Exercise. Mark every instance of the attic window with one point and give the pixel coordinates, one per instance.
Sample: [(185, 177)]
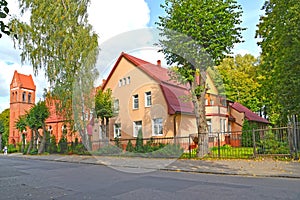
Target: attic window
[(120, 82)]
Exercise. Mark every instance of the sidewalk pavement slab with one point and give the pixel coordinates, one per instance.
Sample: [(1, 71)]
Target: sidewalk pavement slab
[(261, 167)]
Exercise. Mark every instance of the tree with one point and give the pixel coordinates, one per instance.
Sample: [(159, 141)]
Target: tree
[(241, 80), (196, 35), (104, 108), (4, 11), (59, 41), (36, 118), (279, 34), (21, 125), (4, 127)]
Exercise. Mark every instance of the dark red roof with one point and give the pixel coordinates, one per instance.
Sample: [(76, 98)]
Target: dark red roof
[(172, 90), (249, 115)]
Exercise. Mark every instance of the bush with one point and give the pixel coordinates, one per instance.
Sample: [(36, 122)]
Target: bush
[(139, 142), (11, 149), (52, 146), (270, 145), (129, 147), (109, 150)]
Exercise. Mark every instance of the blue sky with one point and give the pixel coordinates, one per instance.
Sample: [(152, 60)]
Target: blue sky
[(111, 18)]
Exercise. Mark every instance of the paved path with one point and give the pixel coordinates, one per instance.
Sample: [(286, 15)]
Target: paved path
[(261, 167)]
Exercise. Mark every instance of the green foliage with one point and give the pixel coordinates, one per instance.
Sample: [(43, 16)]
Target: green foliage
[(60, 41), (139, 142), (109, 150), (195, 36), (104, 104), (4, 126), (278, 32), (247, 134), (4, 12), (12, 149), (269, 144), (63, 145), (129, 147), (52, 146), (117, 142), (241, 80), (168, 151)]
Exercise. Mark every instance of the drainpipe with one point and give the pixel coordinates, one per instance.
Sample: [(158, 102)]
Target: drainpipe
[(175, 125)]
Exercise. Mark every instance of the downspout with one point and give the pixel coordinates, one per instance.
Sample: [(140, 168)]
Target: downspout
[(175, 125)]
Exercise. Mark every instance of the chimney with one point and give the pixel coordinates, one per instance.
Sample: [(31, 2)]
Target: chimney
[(159, 63)]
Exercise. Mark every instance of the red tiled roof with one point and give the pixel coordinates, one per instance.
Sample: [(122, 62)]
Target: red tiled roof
[(172, 90), (251, 116), (26, 81)]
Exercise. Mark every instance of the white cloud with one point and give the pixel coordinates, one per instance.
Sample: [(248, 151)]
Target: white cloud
[(110, 18)]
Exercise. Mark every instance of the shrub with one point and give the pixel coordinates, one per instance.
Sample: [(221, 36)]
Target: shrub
[(129, 147), (139, 142), (11, 149), (52, 146), (109, 150), (270, 145)]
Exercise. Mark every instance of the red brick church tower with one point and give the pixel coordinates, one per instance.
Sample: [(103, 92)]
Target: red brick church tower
[(22, 98)]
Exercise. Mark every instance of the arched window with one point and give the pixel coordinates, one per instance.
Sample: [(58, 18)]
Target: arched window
[(29, 98), (24, 96), (16, 96), (13, 96)]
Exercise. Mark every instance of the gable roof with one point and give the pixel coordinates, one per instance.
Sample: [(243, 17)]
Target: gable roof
[(251, 116), (172, 90), (24, 81)]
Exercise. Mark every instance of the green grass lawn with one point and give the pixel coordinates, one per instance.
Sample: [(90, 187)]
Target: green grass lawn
[(225, 152)]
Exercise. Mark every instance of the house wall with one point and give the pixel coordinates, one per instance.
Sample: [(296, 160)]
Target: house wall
[(139, 84)]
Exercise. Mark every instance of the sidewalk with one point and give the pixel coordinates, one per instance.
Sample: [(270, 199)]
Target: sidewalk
[(254, 168)]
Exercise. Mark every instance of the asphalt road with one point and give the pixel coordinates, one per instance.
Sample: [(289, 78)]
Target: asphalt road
[(35, 179)]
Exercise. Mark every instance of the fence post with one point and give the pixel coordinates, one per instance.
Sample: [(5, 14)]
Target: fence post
[(190, 152), (295, 141), (219, 151), (254, 143)]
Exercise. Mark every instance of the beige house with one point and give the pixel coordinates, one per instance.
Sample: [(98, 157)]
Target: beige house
[(145, 98)]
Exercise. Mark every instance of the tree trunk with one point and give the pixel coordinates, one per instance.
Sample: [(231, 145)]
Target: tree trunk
[(43, 141), (199, 108), (107, 127), (31, 142)]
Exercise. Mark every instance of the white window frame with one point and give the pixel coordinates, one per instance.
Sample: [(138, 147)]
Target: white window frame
[(116, 105), (137, 125), (157, 127), (128, 80), (117, 130), (148, 99), (209, 125), (120, 82), (124, 81), (135, 101)]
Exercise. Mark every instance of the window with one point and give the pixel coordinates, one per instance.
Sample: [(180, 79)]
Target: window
[(24, 96), (148, 102), (116, 106), (120, 82), (208, 121), (157, 127), (222, 125), (137, 126), (29, 97), (124, 81), (128, 80), (212, 102), (206, 102), (117, 130), (135, 100)]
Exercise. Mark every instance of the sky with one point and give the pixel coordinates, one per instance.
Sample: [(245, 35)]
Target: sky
[(117, 23)]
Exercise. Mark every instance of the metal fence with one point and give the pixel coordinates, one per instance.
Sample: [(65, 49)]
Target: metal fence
[(284, 142)]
